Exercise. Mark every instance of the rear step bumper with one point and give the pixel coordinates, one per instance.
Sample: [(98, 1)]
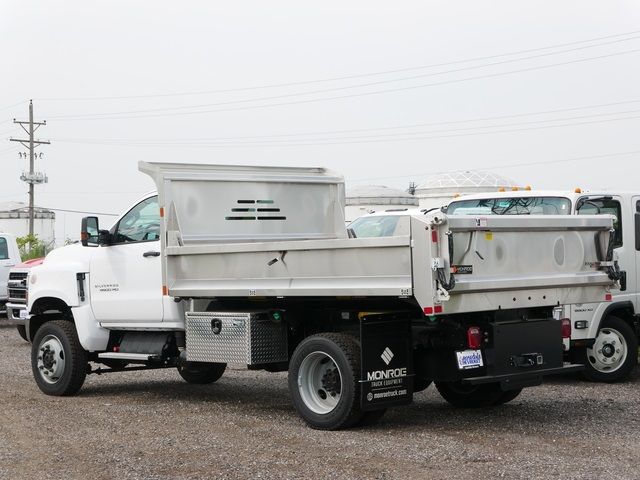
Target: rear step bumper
[(524, 379)]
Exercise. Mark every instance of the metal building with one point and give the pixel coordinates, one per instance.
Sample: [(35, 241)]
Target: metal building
[(365, 199), (438, 190), (14, 218)]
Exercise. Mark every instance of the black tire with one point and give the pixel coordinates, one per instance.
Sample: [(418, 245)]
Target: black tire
[(22, 331), (68, 364), (371, 418), (344, 353), (597, 371), (470, 396), (507, 396), (201, 373), (420, 384)]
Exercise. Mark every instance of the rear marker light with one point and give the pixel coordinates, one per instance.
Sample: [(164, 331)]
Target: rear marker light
[(566, 328), (434, 236), (580, 325), (474, 337), (428, 310), (608, 297), (438, 309)]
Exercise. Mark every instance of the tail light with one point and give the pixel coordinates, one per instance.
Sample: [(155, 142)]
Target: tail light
[(474, 338), (566, 328)]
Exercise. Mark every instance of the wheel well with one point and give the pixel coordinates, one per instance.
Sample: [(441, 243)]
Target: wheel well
[(47, 309), (627, 314)]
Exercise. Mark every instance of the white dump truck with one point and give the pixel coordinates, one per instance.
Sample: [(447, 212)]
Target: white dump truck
[(604, 335), (253, 266)]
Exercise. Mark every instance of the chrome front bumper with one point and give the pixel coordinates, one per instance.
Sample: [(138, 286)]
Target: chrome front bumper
[(17, 312)]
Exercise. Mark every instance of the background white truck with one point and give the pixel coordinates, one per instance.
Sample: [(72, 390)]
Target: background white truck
[(253, 266), (17, 293), (604, 335), (9, 256)]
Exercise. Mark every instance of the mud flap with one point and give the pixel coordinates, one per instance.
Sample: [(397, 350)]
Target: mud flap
[(387, 362)]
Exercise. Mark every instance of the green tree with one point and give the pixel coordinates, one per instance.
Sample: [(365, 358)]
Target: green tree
[(31, 246)]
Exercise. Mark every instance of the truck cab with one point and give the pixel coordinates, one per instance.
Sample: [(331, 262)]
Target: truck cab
[(604, 336)]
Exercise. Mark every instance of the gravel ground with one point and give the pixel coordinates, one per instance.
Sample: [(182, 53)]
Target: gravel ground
[(152, 425)]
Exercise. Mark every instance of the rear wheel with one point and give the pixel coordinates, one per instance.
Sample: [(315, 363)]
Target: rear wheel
[(22, 331), (461, 395), (614, 353), (323, 381), (58, 361), (201, 373)]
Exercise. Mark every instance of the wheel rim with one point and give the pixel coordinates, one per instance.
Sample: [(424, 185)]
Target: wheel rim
[(609, 351), (51, 359), (320, 382)]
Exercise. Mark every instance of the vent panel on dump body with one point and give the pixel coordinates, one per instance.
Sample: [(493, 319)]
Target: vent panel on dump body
[(246, 338)]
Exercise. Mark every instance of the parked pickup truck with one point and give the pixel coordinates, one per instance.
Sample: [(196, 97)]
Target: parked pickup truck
[(605, 335), (9, 256), (17, 293), (254, 266)]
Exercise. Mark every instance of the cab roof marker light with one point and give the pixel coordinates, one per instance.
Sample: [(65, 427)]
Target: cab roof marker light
[(578, 190)]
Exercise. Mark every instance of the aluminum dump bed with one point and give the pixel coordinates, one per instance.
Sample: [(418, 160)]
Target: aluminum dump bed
[(215, 244)]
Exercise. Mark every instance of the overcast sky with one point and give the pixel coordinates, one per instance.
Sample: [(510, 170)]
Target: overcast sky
[(384, 92)]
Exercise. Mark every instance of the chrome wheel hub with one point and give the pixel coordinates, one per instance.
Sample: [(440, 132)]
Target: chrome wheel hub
[(609, 351), (319, 382), (51, 359)]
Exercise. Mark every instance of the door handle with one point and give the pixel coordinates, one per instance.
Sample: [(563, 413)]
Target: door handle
[(151, 253)]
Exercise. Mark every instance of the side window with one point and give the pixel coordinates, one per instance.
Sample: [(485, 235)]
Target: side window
[(140, 224), (600, 206), (4, 249)]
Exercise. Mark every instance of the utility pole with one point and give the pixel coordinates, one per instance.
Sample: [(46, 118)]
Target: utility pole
[(32, 177)]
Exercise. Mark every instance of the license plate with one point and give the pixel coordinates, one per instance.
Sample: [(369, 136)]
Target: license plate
[(469, 359), (23, 314)]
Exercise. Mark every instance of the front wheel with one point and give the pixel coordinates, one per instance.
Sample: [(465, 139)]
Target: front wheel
[(461, 395), (201, 373), (323, 381), (58, 361), (614, 353)]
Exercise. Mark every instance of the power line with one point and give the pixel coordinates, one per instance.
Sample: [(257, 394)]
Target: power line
[(11, 106), (81, 211), (344, 77), (353, 95), (361, 139), (324, 90), (503, 166), (165, 141)]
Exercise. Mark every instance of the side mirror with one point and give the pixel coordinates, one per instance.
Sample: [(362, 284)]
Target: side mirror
[(89, 231)]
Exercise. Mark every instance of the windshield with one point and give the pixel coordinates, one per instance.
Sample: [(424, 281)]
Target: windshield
[(511, 206)]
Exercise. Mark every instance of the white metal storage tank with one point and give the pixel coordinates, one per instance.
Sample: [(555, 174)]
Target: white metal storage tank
[(438, 190), (14, 218), (365, 199)]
